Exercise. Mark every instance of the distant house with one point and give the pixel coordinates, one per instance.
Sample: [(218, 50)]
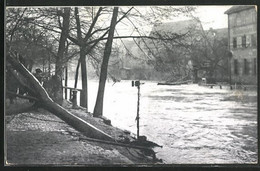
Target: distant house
[(134, 62), (242, 29), (142, 58), (172, 57), (178, 27), (196, 58), (219, 43)]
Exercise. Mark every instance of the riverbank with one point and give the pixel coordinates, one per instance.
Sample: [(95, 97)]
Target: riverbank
[(40, 138)]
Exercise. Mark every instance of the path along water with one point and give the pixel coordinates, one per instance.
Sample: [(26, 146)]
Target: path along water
[(194, 124)]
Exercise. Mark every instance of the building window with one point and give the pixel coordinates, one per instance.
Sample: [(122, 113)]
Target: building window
[(234, 42), (244, 41), (255, 68), (239, 42), (246, 71), (235, 67), (253, 40)]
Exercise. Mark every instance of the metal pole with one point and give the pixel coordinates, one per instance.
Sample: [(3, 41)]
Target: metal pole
[(137, 117)]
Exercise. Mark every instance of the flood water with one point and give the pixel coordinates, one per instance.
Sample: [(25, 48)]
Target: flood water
[(194, 124)]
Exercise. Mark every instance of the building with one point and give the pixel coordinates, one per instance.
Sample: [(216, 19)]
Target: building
[(172, 60), (203, 54), (134, 62), (139, 59), (172, 57), (242, 34)]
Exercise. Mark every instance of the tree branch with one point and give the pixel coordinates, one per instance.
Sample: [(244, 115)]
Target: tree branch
[(92, 24), (16, 25)]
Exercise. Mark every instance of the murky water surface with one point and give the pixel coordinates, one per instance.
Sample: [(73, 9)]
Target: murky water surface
[(194, 124)]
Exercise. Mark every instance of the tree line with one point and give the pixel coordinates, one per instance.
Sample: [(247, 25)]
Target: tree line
[(57, 34)]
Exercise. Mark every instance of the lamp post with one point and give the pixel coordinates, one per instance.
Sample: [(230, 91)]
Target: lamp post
[(137, 84)]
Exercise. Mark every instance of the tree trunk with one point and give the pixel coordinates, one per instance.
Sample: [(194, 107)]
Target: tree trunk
[(196, 79), (49, 65), (77, 75), (98, 110), (58, 97), (84, 79), (66, 80), (84, 96), (47, 103)]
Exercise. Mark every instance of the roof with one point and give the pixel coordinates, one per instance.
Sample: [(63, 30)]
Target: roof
[(176, 27), (221, 33), (238, 8)]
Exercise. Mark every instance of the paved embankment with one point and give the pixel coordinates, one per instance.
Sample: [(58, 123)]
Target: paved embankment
[(41, 138)]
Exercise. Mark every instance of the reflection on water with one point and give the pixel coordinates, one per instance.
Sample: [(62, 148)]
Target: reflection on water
[(194, 124)]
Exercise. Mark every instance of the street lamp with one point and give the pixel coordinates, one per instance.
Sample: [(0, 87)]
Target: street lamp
[(137, 84)]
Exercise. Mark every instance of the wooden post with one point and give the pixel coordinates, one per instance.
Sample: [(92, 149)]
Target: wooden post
[(74, 99), (70, 94), (80, 97)]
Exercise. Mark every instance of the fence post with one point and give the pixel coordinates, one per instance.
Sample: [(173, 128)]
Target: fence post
[(80, 99), (74, 99), (66, 93), (70, 94)]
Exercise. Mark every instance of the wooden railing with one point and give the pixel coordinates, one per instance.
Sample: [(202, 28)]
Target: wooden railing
[(73, 95)]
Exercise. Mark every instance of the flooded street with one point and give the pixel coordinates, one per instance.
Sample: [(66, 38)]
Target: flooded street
[(194, 124)]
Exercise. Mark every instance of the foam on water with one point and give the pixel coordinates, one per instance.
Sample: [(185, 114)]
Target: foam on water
[(194, 124)]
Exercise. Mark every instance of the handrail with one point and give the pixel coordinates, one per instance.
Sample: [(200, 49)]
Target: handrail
[(71, 88)]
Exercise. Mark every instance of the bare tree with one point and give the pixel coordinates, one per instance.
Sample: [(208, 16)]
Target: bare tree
[(58, 95), (210, 53), (98, 110)]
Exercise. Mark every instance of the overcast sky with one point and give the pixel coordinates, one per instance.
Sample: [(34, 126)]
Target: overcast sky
[(211, 17)]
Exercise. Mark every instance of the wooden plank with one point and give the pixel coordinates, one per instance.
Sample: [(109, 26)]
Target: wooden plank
[(71, 88)]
